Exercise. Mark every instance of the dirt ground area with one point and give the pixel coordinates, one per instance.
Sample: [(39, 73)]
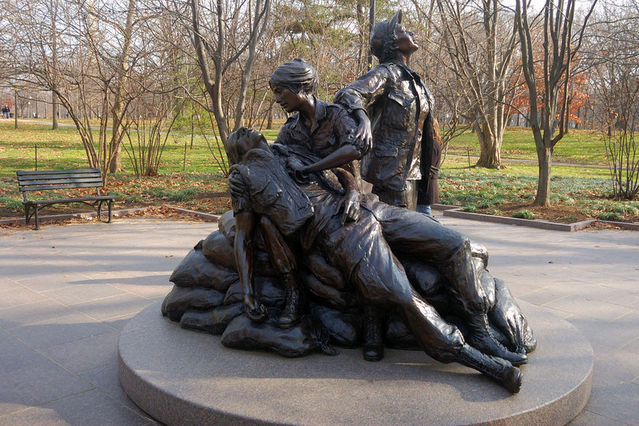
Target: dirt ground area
[(555, 213)]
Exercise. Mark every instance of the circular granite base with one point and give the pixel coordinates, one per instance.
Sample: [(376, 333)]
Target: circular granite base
[(184, 377)]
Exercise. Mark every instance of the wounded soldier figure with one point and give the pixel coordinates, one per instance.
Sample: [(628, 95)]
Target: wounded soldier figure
[(471, 319)]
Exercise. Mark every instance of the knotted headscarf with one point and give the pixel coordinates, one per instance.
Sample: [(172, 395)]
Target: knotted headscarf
[(297, 76)]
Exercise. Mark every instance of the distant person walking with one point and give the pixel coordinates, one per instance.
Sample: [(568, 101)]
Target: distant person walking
[(430, 162), (6, 111)]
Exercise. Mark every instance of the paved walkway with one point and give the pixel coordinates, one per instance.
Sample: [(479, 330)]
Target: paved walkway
[(67, 291)]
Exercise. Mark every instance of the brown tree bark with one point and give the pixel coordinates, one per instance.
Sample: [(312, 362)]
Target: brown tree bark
[(55, 108), (490, 152), (544, 158)]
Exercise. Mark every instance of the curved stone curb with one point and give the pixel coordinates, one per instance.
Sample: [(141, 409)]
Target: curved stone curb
[(623, 225), (541, 224), (185, 377), (207, 217)]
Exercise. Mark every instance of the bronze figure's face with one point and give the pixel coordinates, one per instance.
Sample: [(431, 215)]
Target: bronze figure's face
[(242, 141), (405, 40), (251, 139), (287, 99)]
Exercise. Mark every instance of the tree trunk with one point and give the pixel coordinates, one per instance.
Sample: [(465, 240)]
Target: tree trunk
[(490, 153), (115, 145), (15, 109), (54, 58), (269, 121), (116, 161), (544, 156), (55, 107), (262, 11)]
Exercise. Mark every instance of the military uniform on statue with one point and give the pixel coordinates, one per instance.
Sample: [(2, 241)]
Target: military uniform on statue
[(394, 109)]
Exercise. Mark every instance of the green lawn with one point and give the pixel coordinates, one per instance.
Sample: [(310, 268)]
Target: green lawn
[(186, 173), (577, 147), (62, 149)]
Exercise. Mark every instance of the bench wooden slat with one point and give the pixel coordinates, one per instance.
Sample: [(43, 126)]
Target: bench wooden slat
[(41, 180), (61, 182), (48, 187), (54, 172), (70, 200), (34, 173), (58, 177), (61, 179)]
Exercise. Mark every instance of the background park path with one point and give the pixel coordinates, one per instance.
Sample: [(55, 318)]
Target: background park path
[(67, 291)]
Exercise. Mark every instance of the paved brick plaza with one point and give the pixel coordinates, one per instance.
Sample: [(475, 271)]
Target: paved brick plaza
[(67, 291)]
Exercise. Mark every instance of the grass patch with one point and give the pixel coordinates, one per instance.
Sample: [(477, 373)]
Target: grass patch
[(524, 214), (62, 149), (577, 147), (610, 216), (11, 203), (510, 193)]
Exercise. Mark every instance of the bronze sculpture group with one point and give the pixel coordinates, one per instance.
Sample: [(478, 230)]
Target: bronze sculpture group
[(306, 261)]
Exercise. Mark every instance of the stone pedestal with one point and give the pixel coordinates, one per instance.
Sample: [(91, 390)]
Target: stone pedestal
[(185, 377)]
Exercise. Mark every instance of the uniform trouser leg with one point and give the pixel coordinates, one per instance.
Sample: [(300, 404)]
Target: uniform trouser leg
[(279, 251), (413, 234), (366, 259), (381, 280), (442, 341), (283, 259)]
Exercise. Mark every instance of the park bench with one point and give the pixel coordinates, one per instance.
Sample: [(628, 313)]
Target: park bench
[(45, 180)]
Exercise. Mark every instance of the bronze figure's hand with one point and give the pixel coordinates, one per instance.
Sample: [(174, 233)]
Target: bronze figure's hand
[(236, 188), (363, 134), (296, 166), (253, 309), (351, 207)]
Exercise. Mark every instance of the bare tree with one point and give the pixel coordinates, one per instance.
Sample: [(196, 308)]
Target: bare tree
[(228, 45), (561, 42), (454, 111), (83, 53), (480, 43), (613, 51), (123, 67)]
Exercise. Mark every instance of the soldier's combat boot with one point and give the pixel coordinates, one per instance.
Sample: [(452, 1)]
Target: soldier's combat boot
[(499, 370), (291, 313), (373, 348), (480, 337)]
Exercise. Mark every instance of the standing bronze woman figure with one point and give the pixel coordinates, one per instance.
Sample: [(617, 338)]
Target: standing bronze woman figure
[(395, 100)]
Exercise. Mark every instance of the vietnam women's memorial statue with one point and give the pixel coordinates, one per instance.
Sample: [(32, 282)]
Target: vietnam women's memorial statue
[(296, 265), (282, 220)]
